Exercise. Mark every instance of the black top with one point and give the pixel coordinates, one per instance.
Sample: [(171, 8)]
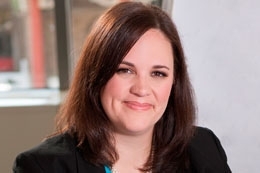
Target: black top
[(60, 154)]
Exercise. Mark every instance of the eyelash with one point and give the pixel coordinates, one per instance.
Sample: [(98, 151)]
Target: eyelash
[(130, 71)]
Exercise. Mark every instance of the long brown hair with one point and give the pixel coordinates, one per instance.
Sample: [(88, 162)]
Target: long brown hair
[(82, 115)]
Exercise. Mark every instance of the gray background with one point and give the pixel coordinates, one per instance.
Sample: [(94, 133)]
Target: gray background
[(221, 40)]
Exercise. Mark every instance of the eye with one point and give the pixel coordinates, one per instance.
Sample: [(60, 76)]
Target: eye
[(159, 74), (124, 71)]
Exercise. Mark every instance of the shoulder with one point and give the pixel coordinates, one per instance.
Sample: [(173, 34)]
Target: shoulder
[(57, 146), (203, 136), (48, 156), (54, 155), (206, 152)]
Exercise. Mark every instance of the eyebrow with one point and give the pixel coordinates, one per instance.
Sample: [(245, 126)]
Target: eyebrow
[(155, 66)]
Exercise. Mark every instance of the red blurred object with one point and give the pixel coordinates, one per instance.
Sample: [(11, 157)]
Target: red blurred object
[(6, 63), (37, 61)]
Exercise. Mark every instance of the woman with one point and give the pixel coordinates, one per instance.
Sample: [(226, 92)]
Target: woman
[(130, 107)]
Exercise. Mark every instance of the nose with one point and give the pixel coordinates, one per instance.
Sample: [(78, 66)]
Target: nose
[(140, 87)]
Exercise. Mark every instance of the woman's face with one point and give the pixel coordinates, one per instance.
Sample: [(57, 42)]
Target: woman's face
[(136, 96)]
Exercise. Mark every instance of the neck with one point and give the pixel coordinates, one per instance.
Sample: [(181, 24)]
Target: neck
[(133, 151)]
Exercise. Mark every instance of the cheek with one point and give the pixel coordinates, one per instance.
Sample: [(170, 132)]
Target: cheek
[(163, 93), (113, 89)]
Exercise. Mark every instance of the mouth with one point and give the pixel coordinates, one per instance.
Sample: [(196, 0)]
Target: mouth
[(138, 106)]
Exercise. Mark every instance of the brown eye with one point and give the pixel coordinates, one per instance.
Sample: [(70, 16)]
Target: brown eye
[(159, 74), (124, 71)]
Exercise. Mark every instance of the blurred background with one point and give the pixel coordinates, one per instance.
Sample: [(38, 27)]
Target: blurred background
[(40, 41)]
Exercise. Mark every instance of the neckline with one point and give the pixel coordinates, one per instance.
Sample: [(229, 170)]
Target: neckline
[(107, 169)]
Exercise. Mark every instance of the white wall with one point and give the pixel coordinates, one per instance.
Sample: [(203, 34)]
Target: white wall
[(222, 43)]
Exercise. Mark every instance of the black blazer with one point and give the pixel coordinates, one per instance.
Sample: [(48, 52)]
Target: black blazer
[(60, 155)]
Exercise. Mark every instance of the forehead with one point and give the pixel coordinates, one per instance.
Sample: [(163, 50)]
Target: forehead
[(152, 47)]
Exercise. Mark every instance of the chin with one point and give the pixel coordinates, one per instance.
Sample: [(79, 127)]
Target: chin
[(137, 130)]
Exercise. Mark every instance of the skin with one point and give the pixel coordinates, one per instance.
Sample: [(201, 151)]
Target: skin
[(136, 97)]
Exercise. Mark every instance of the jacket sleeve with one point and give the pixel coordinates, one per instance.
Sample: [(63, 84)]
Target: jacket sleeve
[(207, 153), (219, 147), (26, 164)]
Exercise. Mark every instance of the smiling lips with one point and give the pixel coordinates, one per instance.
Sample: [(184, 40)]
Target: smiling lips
[(138, 106)]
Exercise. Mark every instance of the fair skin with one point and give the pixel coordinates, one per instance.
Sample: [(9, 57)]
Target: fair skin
[(135, 98)]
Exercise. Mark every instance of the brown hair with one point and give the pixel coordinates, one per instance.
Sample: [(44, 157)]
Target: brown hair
[(82, 114)]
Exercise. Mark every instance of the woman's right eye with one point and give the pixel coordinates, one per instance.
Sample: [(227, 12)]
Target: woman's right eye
[(124, 71)]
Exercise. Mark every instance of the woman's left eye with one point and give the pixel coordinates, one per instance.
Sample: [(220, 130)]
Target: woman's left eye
[(159, 74)]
